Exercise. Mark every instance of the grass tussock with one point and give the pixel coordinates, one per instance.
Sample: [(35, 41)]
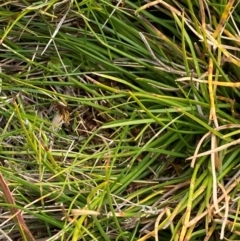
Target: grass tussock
[(119, 120)]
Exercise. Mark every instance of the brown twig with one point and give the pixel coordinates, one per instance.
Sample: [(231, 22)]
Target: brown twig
[(25, 232)]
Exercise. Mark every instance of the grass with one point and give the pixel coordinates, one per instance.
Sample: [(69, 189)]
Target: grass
[(119, 120)]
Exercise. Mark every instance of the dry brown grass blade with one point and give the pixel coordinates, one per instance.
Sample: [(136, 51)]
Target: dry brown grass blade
[(166, 5), (236, 39), (226, 205), (26, 233), (225, 15), (229, 56), (212, 114), (162, 36), (225, 84), (195, 156), (213, 167), (154, 233), (213, 117), (157, 223), (203, 25), (220, 148)]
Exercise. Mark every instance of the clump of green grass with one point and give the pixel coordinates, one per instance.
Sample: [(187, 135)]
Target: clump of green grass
[(119, 120)]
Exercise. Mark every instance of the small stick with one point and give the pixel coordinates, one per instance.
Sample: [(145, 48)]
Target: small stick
[(25, 232)]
